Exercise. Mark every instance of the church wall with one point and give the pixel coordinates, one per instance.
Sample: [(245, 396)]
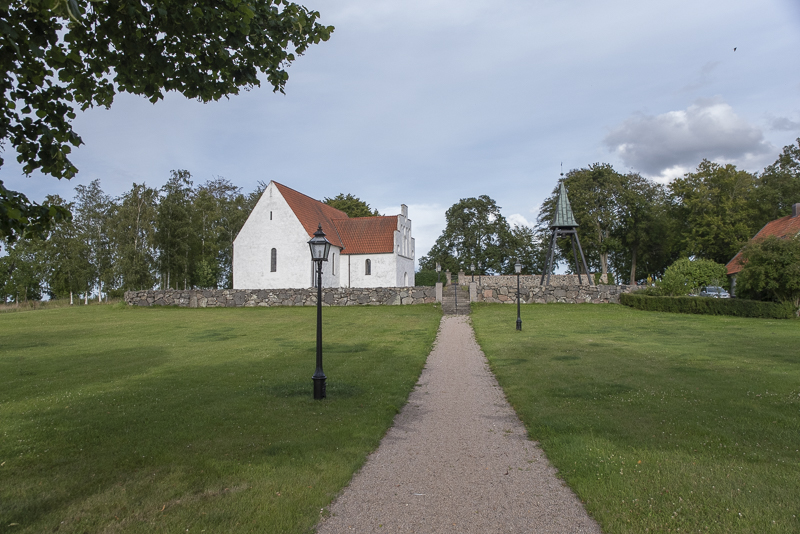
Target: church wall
[(281, 230), (383, 268)]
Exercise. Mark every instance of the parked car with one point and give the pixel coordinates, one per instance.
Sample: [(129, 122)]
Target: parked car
[(715, 292)]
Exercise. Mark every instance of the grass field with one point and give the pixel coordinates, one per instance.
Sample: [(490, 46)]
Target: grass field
[(659, 422), (117, 419)]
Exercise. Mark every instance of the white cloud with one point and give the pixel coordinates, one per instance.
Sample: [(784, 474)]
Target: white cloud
[(516, 219), (659, 145)]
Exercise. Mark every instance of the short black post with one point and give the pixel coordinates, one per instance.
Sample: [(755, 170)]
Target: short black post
[(518, 269)]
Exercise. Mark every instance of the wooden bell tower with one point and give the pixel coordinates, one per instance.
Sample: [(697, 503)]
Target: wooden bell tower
[(564, 225)]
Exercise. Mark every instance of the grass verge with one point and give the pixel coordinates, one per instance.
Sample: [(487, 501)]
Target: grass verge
[(659, 422), (118, 419)]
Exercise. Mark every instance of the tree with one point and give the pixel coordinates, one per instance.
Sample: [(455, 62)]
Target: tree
[(594, 196), (778, 187), (66, 258), (23, 270), (714, 210), (173, 231), (642, 228), (528, 249), (351, 205), (771, 270), (688, 276), (58, 56), (133, 235), (92, 216), (476, 233)]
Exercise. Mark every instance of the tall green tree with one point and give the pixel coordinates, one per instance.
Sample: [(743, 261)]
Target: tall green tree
[(714, 210), (217, 219), (23, 270), (174, 231), (778, 187), (58, 56), (642, 228), (476, 233), (351, 205), (92, 217), (69, 271), (133, 230), (528, 249)]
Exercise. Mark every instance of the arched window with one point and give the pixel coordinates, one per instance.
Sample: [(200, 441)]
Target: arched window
[(367, 267), (273, 261)]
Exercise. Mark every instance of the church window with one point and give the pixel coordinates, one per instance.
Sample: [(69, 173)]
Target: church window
[(270, 216), (273, 261), (367, 267)]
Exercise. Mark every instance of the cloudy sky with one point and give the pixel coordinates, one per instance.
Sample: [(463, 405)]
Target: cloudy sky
[(425, 102)]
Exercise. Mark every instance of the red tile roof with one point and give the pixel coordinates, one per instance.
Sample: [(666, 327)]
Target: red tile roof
[(784, 227), (361, 235), (312, 213), (367, 235)]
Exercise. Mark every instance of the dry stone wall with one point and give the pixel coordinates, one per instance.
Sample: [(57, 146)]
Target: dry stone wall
[(230, 298), (572, 294)]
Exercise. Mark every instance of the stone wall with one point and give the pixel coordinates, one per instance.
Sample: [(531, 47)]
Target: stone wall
[(525, 280), (229, 298), (573, 294)]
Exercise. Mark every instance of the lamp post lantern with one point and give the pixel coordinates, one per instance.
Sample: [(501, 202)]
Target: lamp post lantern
[(472, 270), (438, 271), (518, 269), (320, 247)]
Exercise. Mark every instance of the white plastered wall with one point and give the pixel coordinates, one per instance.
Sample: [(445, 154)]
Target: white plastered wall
[(404, 250), (273, 224), (383, 270)]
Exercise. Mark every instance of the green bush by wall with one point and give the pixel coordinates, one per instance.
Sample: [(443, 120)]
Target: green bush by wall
[(709, 306)]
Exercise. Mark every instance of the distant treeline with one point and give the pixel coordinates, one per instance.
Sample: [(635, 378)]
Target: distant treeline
[(628, 224), (178, 236)]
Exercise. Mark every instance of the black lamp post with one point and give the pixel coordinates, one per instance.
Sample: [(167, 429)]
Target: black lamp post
[(319, 252), (438, 271), (518, 269), (472, 270)]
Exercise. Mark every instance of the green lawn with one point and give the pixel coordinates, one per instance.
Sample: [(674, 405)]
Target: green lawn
[(117, 419), (659, 422)]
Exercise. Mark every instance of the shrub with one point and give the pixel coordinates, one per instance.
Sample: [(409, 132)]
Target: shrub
[(426, 278), (688, 276), (708, 306)]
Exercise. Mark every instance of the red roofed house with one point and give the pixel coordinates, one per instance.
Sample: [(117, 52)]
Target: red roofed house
[(271, 250), (785, 227)]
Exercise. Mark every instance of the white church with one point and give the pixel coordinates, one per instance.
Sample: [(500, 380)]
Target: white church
[(271, 250)]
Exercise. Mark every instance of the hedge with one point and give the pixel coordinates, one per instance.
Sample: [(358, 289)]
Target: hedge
[(709, 306)]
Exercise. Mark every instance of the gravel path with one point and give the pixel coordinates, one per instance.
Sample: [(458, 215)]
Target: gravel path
[(457, 459)]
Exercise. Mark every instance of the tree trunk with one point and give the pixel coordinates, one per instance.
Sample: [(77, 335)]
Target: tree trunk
[(86, 299), (633, 267), (70, 298)]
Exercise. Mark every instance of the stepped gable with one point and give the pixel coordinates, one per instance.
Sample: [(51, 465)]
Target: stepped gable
[(367, 235), (312, 213), (563, 217), (785, 227)]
